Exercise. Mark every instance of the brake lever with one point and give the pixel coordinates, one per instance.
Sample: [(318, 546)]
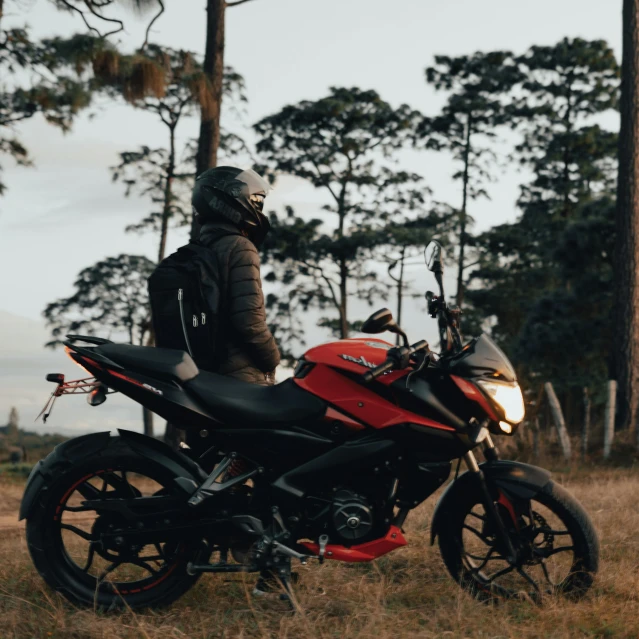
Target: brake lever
[(425, 359)]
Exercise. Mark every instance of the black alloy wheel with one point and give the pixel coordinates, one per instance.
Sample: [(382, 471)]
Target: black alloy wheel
[(65, 534), (556, 548)]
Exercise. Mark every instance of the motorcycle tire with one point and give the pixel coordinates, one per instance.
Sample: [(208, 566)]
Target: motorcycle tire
[(54, 556), (535, 539)]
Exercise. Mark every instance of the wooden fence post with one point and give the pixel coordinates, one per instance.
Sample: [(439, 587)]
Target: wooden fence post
[(609, 419), (558, 418), (586, 424)]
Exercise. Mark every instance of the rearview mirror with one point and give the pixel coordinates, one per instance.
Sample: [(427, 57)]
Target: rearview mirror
[(379, 322), (433, 255)]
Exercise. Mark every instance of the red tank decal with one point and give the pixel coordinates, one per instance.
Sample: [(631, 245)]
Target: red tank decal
[(355, 355), (362, 552), (335, 415), (360, 401), (473, 393)]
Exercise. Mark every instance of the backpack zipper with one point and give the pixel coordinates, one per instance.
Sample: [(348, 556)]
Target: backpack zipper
[(203, 319), (186, 337)]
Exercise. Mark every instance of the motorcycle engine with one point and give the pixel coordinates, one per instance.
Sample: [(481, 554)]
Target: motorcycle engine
[(351, 515)]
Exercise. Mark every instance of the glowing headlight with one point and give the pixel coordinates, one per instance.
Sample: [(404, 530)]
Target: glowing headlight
[(508, 397)]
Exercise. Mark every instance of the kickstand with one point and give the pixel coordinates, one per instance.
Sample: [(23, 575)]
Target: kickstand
[(284, 577)]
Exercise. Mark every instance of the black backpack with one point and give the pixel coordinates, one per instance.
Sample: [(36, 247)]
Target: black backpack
[(185, 300)]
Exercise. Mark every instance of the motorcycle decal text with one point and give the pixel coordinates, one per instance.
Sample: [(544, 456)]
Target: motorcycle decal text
[(357, 360), (152, 388)]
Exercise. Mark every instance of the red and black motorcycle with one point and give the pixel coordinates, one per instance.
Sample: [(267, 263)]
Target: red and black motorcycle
[(324, 466)]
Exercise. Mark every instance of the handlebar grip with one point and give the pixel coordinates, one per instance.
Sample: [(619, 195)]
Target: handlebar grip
[(419, 346), (379, 370), (389, 364)]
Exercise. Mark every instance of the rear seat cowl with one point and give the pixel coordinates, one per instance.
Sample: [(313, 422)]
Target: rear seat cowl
[(163, 363)]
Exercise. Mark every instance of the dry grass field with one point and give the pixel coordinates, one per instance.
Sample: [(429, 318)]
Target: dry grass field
[(405, 594)]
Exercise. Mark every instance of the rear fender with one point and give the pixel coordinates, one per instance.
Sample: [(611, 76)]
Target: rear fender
[(63, 455), (75, 450), (517, 480), (162, 453)]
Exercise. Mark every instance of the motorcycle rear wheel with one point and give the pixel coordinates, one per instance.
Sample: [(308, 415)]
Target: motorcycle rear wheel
[(62, 535), (558, 549)]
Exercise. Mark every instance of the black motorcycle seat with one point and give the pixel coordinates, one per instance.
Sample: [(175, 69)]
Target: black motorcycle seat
[(161, 363), (240, 403)]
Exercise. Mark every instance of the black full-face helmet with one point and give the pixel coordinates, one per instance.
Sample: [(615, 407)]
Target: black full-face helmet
[(237, 196)]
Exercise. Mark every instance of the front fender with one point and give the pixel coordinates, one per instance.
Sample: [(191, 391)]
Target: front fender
[(74, 450), (519, 480)]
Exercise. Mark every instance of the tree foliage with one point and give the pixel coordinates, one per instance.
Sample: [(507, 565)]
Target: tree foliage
[(341, 144), (478, 88), (56, 77), (537, 276), (36, 78), (110, 297), (165, 173)]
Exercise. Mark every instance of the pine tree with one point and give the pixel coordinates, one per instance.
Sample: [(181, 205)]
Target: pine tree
[(166, 173), (110, 296), (53, 89), (339, 144), (573, 163), (546, 297), (66, 72), (477, 106)]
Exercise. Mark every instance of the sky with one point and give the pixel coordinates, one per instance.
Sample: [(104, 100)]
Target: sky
[(65, 213)]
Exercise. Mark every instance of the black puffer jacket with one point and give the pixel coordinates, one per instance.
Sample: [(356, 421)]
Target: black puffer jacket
[(250, 350)]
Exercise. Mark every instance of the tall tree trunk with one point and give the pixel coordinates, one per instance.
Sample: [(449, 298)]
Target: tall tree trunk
[(400, 291), (343, 268), (462, 217), (168, 195), (209, 139), (585, 428), (169, 430), (566, 157), (626, 343), (343, 302)]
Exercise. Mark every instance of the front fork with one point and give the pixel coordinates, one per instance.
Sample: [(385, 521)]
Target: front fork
[(491, 454)]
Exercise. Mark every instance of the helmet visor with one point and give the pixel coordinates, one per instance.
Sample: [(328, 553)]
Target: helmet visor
[(255, 183)]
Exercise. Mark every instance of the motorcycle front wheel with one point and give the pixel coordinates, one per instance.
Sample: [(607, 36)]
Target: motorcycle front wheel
[(65, 528), (557, 551)]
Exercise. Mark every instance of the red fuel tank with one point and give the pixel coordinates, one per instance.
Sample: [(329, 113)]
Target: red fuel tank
[(351, 403), (356, 355), (352, 354)]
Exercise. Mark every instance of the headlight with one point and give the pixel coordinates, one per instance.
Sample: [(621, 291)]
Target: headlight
[(508, 397)]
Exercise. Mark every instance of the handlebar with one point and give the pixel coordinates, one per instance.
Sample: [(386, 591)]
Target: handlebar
[(398, 358)]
